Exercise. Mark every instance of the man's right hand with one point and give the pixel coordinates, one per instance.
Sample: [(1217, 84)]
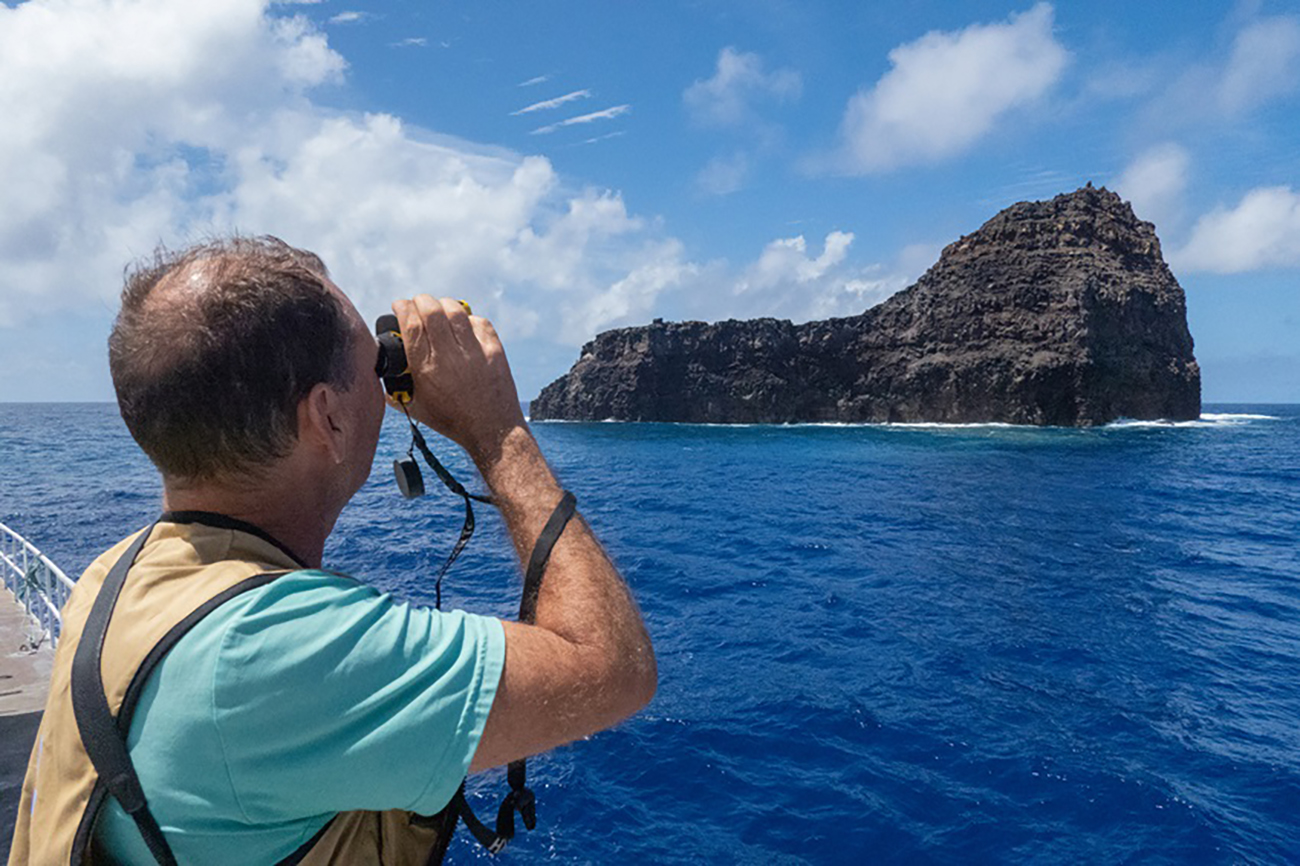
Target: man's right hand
[(463, 385)]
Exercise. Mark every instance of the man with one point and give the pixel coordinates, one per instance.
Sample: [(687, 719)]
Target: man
[(275, 710)]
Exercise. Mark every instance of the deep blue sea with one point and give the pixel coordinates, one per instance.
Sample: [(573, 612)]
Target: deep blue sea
[(882, 644)]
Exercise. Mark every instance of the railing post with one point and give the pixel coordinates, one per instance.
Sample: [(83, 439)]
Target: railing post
[(38, 584)]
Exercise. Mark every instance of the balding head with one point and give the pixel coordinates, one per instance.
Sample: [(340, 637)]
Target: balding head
[(215, 346)]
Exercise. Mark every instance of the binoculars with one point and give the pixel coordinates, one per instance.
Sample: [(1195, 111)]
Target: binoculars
[(394, 369), (392, 365)]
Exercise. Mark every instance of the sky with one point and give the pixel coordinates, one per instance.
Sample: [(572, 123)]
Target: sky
[(573, 166)]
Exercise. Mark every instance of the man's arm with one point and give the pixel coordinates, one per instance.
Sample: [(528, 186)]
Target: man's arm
[(587, 662)]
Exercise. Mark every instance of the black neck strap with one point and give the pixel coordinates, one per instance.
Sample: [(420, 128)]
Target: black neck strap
[(222, 521)]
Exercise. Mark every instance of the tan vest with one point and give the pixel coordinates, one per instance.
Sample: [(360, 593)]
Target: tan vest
[(182, 566)]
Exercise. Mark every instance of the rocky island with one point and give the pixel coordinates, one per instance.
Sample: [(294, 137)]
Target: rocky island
[(1059, 312)]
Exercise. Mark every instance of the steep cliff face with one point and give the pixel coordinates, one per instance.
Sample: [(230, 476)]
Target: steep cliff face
[(1060, 312)]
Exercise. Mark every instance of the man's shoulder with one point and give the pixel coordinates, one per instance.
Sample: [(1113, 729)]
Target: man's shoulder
[(306, 590), (301, 612), (284, 610), (303, 598)]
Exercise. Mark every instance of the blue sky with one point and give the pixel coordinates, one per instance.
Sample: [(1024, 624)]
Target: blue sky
[(575, 166)]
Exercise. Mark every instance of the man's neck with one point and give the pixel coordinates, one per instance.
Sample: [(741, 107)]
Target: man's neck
[(290, 519)]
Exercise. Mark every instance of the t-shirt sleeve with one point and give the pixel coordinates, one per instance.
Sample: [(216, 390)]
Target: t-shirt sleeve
[(330, 696)]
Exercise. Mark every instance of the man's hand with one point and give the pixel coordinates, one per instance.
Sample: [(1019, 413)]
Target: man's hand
[(463, 385)]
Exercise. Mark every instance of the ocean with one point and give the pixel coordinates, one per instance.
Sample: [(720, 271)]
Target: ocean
[(901, 643)]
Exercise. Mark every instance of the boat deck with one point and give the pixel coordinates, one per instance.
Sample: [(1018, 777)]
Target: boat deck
[(24, 660), (24, 683)]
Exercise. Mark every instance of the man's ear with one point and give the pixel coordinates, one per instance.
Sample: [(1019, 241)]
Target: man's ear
[(321, 422)]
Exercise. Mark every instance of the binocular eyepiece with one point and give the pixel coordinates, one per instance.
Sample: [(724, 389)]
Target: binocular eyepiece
[(391, 365)]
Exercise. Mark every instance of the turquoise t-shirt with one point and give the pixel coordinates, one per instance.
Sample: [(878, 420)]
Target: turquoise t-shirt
[(311, 695)]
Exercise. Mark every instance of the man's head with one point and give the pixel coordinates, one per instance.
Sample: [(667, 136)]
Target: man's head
[(217, 347)]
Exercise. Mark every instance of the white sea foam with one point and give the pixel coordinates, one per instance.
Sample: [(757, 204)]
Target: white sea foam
[(1208, 419), (1228, 416), (943, 425)]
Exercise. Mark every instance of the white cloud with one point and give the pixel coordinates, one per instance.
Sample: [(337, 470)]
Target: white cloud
[(739, 80), (1265, 63), (536, 80), (410, 42), (603, 114), (1262, 66), (349, 17), (870, 285), (724, 175), (945, 91), (128, 122), (785, 262), (790, 281), (552, 103), (1262, 231), (1154, 182), (114, 115), (633, 297), (729, 100)]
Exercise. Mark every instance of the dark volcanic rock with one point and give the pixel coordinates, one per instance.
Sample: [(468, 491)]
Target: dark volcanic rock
[(1060, 312)]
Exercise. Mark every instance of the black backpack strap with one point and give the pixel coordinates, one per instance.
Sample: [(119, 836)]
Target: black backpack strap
[(521, 798), (99, 734), (103, 736)]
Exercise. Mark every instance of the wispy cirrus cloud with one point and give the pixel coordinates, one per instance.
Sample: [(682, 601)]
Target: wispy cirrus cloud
[(349, 17), (218, 130), (410, 42), (546, 104), (603, 114), (597, 138), (533, 82)]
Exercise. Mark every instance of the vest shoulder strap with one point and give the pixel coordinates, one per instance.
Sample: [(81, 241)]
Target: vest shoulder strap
[(104, 736)]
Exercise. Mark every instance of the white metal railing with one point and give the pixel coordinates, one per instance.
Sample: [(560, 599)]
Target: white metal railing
[(37, 583)]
